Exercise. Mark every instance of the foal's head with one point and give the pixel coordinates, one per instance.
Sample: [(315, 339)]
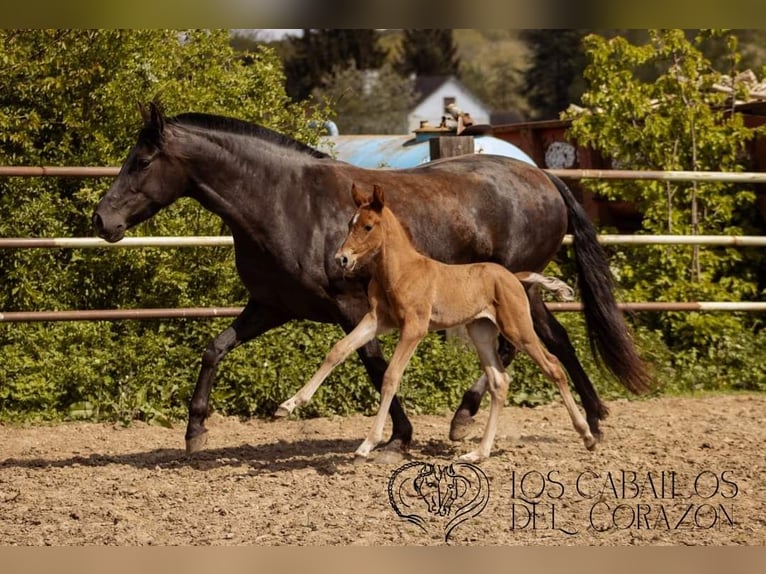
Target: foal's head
[(365, 233)]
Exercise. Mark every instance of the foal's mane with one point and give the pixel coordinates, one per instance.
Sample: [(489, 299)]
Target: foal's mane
[(241, 127)]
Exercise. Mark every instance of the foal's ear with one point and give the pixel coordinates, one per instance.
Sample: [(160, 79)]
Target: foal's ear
[(378, 200), (359, 198)]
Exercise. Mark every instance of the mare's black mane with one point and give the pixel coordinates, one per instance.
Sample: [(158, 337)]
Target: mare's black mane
[(236, 126)]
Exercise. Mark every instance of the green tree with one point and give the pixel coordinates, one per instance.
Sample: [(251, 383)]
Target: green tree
[(68, 97), (651, 106), (317, 53), (492, 64), (426, 52), (368, 101), (553, 79)]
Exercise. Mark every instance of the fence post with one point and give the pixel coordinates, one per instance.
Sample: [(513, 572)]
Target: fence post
[(450, 146)]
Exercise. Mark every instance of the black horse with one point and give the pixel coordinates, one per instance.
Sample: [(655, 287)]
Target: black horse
[(288, 206)]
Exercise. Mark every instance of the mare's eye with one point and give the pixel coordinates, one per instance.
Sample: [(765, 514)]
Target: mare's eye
[(143, 162)]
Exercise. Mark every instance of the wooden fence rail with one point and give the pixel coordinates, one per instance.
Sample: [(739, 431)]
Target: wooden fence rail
[(217, 241)]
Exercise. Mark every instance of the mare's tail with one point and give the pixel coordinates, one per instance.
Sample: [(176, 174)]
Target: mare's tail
[(609, 335)]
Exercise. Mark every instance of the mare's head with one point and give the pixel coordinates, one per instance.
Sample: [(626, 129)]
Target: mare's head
[(150, 179), (365, 230)]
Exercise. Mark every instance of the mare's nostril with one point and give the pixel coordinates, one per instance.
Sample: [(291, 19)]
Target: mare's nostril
[(98, 224)]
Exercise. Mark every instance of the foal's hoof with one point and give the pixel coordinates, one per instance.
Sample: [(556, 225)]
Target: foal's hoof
[(388, 456), (472, 457), (590, 443), (461, 426), (196, 443)]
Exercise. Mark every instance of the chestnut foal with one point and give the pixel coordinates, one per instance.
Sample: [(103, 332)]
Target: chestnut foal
[(415, 294)]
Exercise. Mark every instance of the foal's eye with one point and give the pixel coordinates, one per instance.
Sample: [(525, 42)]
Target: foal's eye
[(368, 228)]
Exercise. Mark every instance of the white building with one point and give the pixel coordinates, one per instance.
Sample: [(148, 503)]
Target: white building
[(435, 93)]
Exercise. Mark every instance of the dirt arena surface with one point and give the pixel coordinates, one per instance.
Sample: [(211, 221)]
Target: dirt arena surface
[(670, 471)]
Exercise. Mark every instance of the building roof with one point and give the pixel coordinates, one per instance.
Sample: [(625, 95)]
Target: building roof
[(427, 85)]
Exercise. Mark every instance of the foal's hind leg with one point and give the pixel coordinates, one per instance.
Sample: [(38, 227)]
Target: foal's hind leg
[(483, 333), (463, 421), (552, 369), (555, 338)]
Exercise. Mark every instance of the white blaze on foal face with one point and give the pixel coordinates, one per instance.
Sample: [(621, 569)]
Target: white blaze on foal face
[(363, 239)]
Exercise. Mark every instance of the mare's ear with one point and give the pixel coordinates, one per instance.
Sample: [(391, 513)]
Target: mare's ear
[(359, 198), (156, 116), (378, 200), (154, 121)]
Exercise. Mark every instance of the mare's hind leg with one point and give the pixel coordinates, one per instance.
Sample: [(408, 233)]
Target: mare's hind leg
[(253, 321), (555, 338), (463, 421), (484, 335)]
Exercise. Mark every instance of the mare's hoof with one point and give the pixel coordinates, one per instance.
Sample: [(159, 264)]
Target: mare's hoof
[(280, 413), (196, 443), (594, 429), (388, 456), (461, 426)]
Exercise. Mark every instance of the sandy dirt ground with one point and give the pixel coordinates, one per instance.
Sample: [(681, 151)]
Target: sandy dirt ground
[(670, 471)]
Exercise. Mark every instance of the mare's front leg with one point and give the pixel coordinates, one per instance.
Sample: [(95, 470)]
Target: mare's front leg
[(364, 332), (408, 341), (253, 321)]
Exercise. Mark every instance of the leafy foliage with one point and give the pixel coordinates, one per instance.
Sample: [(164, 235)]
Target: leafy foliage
[(368, 101), (317, 53), (554, 78), (68, 97), (651, 106), (428, 52)]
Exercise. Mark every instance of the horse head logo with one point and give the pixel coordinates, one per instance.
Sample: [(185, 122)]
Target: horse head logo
[(423, 493)]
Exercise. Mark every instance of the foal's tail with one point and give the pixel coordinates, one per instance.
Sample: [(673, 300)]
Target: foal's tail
[(609, 335), (561, 290)]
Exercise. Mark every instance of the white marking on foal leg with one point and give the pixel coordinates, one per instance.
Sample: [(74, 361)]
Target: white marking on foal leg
[(405, 348), (498, 389), (362, 334), (483, 333)]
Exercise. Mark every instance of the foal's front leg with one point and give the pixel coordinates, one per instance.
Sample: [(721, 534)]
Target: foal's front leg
[(362, 334), (408, 341)]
